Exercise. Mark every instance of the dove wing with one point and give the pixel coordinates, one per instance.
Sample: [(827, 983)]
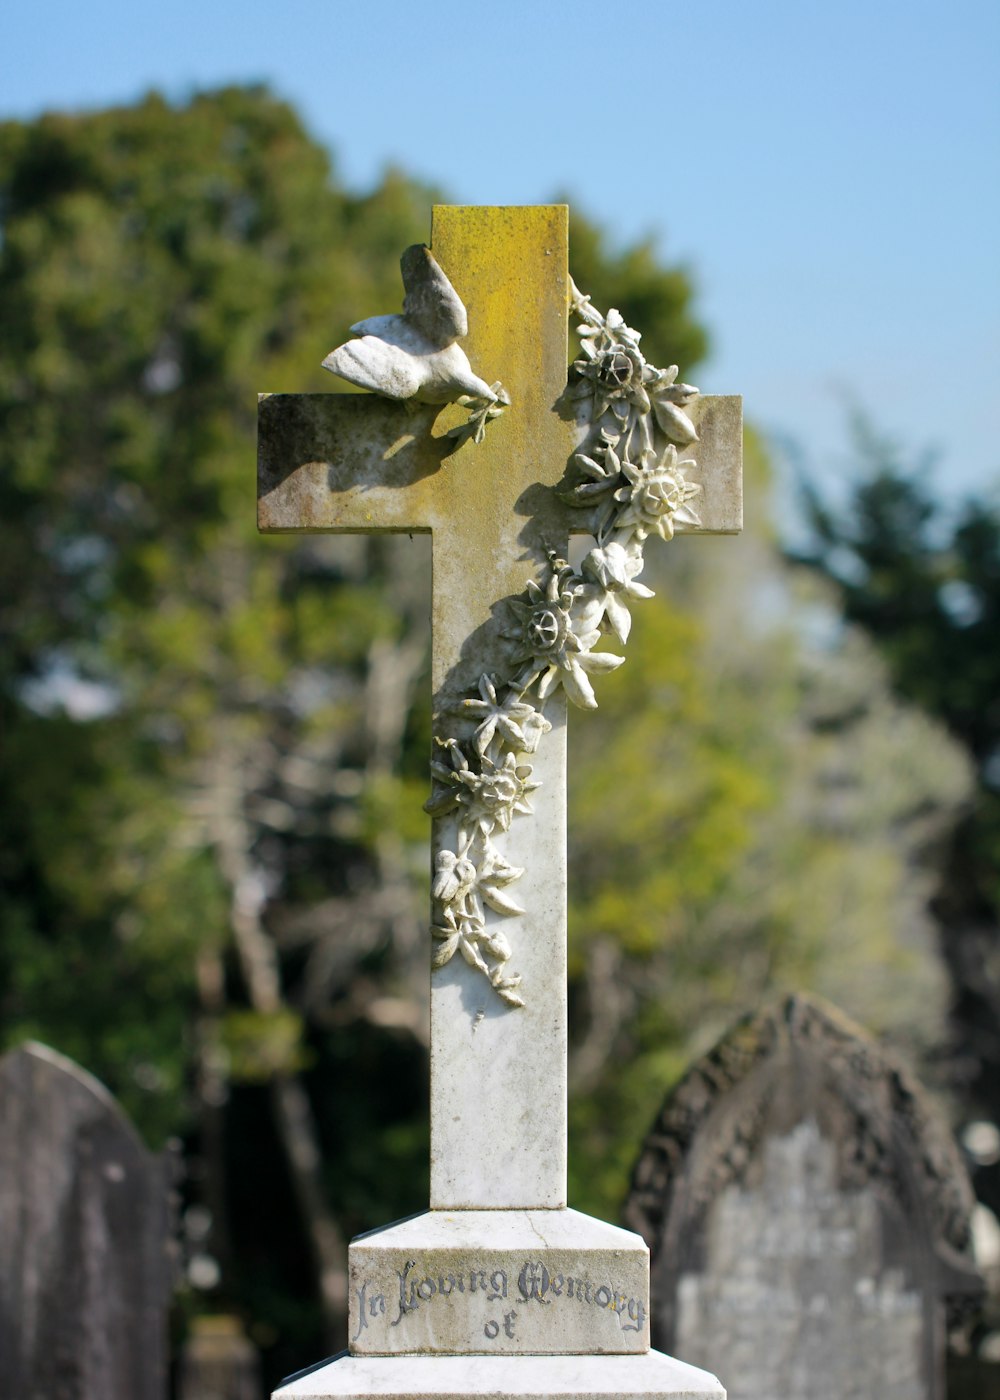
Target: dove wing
[(431, 303), (374, 364)]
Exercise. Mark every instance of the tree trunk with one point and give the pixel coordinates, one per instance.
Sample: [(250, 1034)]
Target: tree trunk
[(258, 961)]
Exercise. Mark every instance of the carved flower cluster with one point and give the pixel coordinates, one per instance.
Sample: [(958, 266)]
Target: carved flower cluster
[(554, 636), (631, 479), (611, 369), (628, 476)]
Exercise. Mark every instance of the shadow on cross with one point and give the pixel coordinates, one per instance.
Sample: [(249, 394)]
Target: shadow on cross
[(547, 524), (336, 429)]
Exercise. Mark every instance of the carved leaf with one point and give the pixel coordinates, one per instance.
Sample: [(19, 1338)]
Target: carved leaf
[(472, 955), (579, 690), (440, 803), (618, 616), (674, 422), (598, 662), (499, 901), (445, 951)]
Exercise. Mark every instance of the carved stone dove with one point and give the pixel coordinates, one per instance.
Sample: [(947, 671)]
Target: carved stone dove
[(415, 356)]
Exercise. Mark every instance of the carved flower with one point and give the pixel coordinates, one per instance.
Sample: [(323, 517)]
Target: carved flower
[(496, 942), (547, 638), (611, 366), (506, 986), (611, 571), (654, 495), (519, 724), (544, 624), (533, 728), (447, 933), (491, 796), (495, 794), (457, 881), (446, 798)]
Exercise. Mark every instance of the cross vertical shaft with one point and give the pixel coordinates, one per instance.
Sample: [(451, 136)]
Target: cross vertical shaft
[(498, 1076)]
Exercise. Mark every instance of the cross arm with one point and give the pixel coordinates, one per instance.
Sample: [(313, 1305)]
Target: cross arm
[(719, 457), (339, 462)]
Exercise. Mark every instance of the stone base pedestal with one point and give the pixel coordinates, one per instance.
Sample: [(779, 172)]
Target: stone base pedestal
[(515, 1282), (502, 1305), (651, 1376)]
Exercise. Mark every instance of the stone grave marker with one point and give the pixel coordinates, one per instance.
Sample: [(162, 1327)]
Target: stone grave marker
[(807, 1214), (500, 1288), (218, 1362), (85, 1274)]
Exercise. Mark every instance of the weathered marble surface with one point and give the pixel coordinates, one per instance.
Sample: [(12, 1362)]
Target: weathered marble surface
[(538, 1281), (651, 1376)]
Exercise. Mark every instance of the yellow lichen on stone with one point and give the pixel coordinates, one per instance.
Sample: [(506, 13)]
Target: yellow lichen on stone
[(510, 267)]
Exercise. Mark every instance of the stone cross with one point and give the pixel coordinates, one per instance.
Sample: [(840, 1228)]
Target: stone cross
[(347, 463)]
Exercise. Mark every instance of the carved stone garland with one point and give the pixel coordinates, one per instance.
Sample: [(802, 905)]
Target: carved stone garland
[(628, 477)]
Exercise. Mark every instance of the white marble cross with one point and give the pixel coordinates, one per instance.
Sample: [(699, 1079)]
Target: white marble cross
[(347, 463)]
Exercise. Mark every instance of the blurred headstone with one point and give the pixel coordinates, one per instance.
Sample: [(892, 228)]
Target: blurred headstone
[(807, 1215), (85, 1272), (219, 1362)]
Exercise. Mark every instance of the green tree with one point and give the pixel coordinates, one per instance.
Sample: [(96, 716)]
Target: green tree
[(923, 580), (654, 298)]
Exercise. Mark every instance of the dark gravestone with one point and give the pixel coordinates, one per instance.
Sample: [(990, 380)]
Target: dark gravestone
[(807, 1216), (84, 1267)]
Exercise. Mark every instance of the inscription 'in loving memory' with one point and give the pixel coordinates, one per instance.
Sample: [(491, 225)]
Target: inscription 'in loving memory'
[(534, 1285)]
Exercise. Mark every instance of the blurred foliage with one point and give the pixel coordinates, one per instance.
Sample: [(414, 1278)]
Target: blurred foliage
[(212, 853), (746, 820), (654, 298), (923, 580), (159, 265)]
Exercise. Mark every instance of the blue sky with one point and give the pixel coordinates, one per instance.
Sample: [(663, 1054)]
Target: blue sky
[(828, 173)]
